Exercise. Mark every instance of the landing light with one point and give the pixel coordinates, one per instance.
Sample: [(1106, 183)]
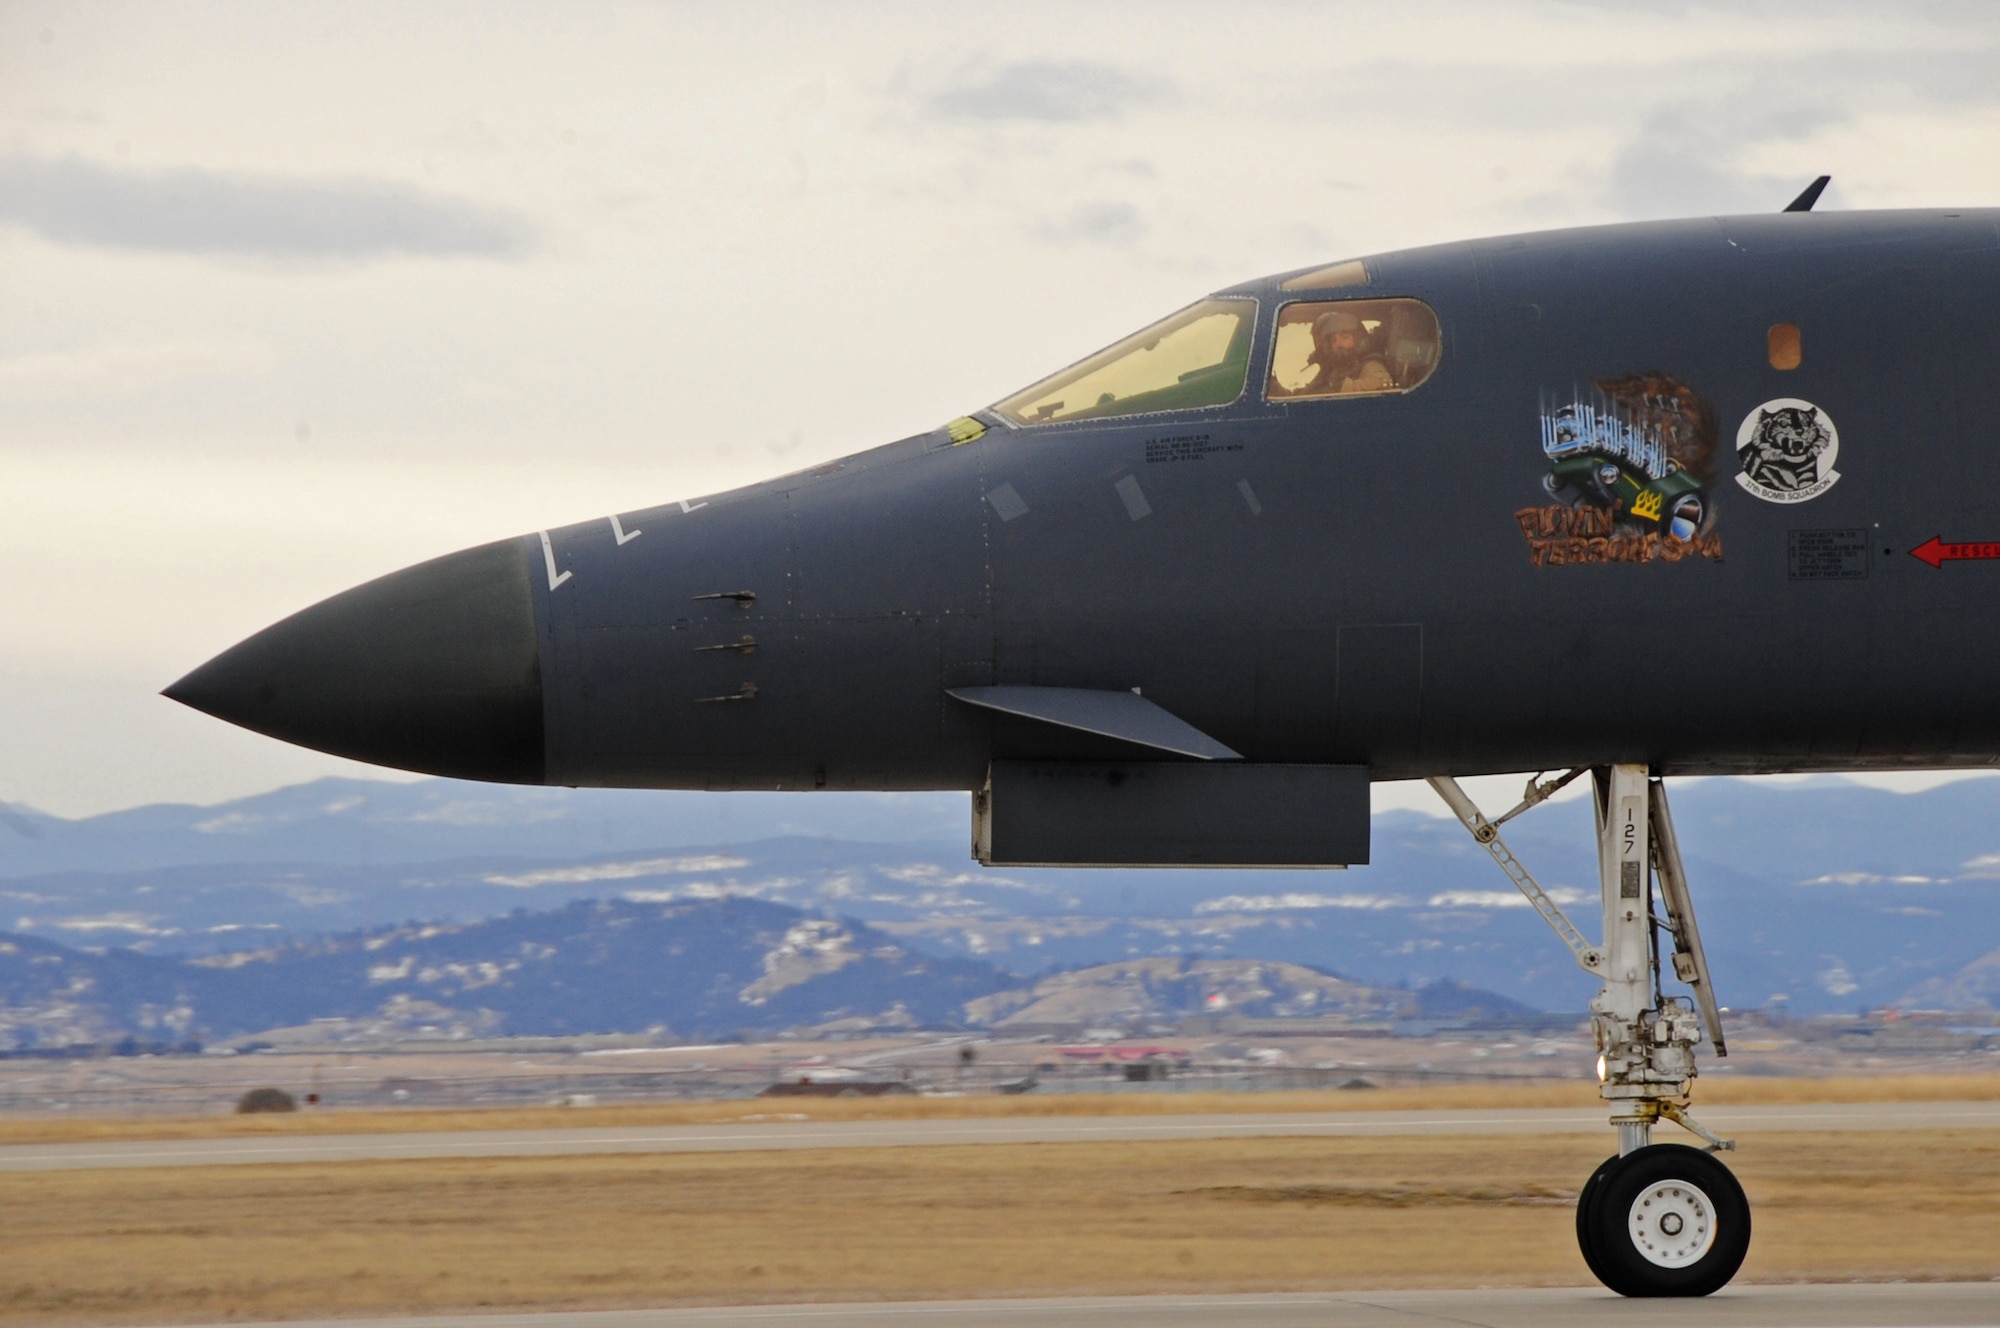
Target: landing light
[(1600, 1068)]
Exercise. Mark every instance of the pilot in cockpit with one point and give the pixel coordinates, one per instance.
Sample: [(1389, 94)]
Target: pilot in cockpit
[(1345, 358)]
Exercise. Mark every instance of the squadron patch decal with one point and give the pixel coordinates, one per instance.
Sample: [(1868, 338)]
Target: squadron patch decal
[(1629, 464), (1787, 449)]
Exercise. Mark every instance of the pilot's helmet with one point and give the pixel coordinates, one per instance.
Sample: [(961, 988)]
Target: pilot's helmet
[(1333, 321)]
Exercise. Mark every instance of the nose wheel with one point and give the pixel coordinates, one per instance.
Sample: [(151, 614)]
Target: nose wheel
[(1665, 1220)]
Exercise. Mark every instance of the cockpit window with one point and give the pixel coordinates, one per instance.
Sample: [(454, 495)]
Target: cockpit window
[(1198, 357), (1339, 348)]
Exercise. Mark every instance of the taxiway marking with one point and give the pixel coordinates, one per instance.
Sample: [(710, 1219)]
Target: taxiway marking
[(1847, 1305), (786, 1135)]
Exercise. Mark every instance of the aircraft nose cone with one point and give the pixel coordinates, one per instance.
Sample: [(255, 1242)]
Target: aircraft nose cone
[(433, 668)]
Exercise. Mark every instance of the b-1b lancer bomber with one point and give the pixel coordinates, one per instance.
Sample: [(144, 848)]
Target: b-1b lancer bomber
[(1622, 503)]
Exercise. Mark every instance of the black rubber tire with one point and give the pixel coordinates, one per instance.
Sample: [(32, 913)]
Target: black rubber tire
[(1586, 1224), (1620, 1265)]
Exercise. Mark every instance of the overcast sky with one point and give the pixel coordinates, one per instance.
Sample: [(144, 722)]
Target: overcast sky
[(295, 295)]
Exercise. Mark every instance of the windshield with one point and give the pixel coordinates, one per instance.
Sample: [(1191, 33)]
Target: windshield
[(1198, 357)]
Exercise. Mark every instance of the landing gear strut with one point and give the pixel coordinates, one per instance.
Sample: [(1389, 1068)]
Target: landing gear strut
[(1656, 1219)]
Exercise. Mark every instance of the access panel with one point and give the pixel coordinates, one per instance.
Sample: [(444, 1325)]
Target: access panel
[(1170, 814)]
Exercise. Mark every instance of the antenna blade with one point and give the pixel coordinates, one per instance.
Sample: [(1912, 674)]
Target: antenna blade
[(1804, 202)]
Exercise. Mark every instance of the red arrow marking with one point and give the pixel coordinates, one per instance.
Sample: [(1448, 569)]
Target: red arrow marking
[(1937, 553)]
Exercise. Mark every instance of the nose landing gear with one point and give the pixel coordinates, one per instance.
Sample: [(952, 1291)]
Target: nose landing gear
[(1657, 1219)]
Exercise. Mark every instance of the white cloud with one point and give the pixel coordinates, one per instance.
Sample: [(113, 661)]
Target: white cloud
[(619, 871), (73, 200), (1836, 979), (1106, 222), (471, 811), (137, 924), (1561, 894), (1286, 902), (1046, 90)]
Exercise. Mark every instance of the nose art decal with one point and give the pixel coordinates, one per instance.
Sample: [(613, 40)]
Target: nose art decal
[(1630, 460)]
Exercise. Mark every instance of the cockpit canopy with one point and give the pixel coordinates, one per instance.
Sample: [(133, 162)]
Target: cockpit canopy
[(1200, 357)]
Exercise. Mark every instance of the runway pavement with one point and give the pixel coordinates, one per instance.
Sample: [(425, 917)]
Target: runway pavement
[(1903, 1305), (738, 1137)]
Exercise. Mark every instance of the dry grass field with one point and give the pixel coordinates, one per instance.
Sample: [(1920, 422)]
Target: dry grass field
[(207, 1243), (1714, 1090)]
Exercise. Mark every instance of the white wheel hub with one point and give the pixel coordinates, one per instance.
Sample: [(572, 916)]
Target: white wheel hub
[(1672, 1224)]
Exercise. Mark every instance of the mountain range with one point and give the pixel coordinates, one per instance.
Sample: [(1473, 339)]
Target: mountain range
[(700, 969), (1822, 894)]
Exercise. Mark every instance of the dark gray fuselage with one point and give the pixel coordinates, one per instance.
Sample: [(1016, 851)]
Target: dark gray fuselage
[(1340, 581), (1380, 606)]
